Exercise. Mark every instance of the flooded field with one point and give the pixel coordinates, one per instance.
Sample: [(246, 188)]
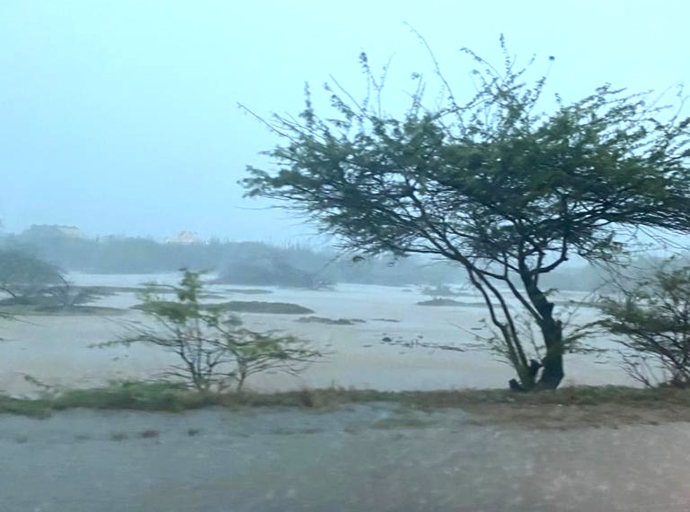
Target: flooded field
[(55, 349)]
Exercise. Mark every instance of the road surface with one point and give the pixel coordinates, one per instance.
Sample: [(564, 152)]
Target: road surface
[(366, 458)]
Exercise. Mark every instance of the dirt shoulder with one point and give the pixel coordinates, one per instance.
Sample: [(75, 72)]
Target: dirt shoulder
[(573, 416), (352, 458), (567, 408)]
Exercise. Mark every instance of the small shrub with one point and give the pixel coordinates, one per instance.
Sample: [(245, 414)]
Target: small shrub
[(214, 350), (651, 322)]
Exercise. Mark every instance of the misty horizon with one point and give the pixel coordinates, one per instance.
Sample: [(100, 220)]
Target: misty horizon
[(123, 118)]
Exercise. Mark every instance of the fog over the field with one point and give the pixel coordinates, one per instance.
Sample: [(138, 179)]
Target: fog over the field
[(122, 117)]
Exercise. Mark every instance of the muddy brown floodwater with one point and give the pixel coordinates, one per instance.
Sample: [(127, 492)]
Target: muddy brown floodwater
[(55, 349), (358, 458)]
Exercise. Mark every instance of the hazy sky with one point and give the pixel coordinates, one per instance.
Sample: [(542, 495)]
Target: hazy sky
[(121, 116)]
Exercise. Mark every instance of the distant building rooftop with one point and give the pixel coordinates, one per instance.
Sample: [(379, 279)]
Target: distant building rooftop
[(185, 237)]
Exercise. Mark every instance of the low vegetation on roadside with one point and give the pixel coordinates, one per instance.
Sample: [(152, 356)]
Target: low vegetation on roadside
[(567, 407)]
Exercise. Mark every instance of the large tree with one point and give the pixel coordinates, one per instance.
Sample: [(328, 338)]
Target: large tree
[(507, 191), (24, 277)]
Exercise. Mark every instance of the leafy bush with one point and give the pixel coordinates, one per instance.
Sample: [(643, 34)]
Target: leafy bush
[(215, 351), (652, 323)]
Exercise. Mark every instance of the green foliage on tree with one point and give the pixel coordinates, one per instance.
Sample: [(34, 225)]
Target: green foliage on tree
[(506, 191), (651, 321), (215, 351), (26, 277)]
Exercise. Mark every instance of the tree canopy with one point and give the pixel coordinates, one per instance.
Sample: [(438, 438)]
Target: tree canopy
[(505, 190), (24, 276)]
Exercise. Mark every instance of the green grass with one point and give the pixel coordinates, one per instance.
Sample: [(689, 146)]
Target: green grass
[(33, 408), (168, 397), (142, 396)]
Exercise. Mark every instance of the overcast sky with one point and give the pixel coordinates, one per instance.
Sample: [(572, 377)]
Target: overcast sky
[(120, 117)]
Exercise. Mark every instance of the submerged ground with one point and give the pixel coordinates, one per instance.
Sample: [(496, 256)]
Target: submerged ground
[(54, 349), (591, 449)]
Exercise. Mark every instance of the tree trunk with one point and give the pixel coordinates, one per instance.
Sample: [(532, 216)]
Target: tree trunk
[(552, 332), (552, 363)]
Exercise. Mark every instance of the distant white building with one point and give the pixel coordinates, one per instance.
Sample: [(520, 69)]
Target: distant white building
[(185, 238)]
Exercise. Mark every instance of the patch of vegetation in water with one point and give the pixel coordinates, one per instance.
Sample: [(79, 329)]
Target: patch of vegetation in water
[(329, 321), (238, 306), (450, 302), (278, 308), (441, 291), (39, 310), (155, 289), (440, 302), (110, 290), (249, 291)]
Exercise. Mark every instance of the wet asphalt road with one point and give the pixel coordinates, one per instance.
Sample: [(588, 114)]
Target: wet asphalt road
[(367, 458)]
